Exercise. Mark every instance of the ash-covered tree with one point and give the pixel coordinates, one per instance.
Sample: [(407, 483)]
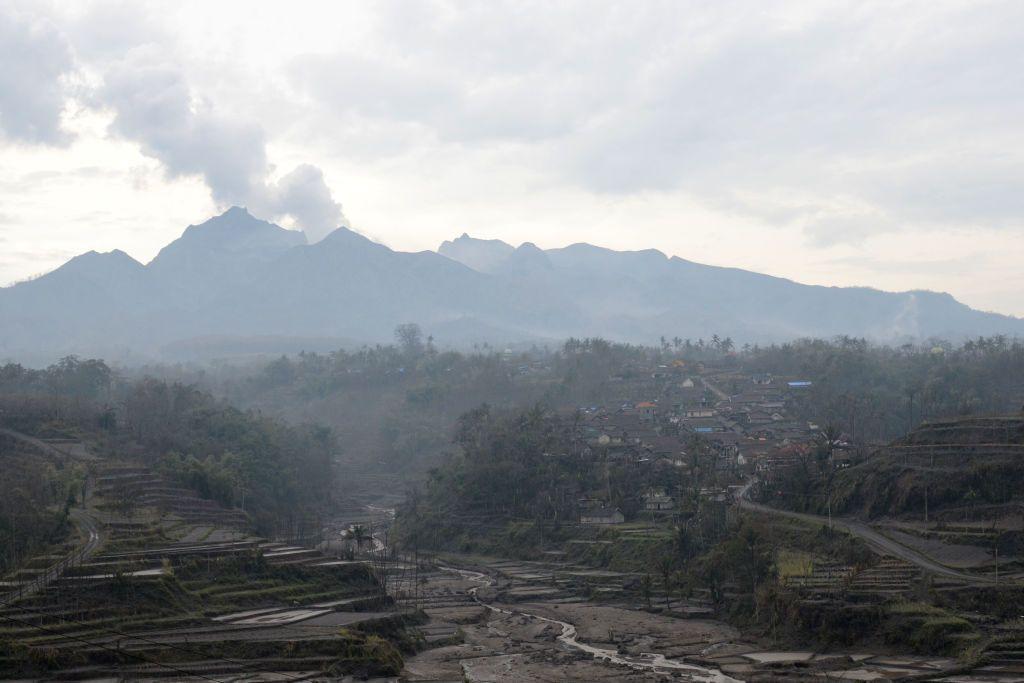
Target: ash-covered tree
[(409, 338)]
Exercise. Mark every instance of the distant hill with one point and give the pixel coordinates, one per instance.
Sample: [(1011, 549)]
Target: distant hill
[(236, 279)]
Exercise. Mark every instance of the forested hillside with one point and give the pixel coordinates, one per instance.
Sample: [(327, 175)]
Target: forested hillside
[(879, 392), (280, 474), (35, 494)]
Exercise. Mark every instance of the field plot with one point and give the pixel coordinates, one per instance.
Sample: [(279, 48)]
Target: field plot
[(179, 587), (495, 633)]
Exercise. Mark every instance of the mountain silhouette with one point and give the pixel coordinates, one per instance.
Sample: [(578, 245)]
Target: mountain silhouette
[(238, 285)]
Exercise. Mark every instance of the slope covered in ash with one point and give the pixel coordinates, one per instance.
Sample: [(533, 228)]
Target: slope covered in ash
[(960, 469)]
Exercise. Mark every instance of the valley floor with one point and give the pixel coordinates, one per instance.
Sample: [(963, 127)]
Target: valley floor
[(506, 640)]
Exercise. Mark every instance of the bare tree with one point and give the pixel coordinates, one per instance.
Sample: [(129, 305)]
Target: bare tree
[(409, 337)]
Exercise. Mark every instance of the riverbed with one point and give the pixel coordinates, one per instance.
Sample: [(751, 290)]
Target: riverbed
[(569, 636)]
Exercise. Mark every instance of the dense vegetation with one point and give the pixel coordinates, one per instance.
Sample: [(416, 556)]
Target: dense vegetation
[(394, 407), (35, 496), (879, 392), (36, 492), (526, 466), (282, 475)]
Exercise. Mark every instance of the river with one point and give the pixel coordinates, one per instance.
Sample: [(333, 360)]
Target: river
[(646, 661)]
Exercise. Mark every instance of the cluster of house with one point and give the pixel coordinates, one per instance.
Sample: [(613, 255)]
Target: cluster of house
[(734, 424), (656, 500)]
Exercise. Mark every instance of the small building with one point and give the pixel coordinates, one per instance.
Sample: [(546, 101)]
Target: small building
[(601, 514), (646, 410), (759, 417), (703, 425), (656, 500), (841, 459), (715, 495)]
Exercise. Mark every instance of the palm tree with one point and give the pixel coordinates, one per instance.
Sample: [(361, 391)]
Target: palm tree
[(359, 534), (827, 440), (971, 497), (665, 566)]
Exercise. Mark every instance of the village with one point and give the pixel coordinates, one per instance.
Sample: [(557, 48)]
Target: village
[(693, 431)]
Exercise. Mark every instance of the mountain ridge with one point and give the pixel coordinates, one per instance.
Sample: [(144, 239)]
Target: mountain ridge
[(235, 276)]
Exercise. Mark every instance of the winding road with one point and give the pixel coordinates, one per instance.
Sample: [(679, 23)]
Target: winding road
[(83, 519), (877, 541), (91, 528), (48, 449)]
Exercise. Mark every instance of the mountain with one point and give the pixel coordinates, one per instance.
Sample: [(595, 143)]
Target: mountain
[(75, 308), (222, 252), (238, 285), (480, 255)]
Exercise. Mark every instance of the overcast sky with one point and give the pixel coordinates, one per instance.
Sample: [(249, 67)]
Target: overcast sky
[(836, 143)]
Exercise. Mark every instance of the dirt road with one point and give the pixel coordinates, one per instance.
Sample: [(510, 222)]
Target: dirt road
[(861, 530)]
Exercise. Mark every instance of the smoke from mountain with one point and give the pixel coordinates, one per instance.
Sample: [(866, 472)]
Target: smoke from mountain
[(155, 107), (303, 195)]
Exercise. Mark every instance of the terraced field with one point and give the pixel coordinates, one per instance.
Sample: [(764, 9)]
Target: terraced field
[(178, 587)]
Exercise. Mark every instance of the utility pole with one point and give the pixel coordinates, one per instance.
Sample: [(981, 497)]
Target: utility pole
[(830, 509), (995, 550), (910, 417)]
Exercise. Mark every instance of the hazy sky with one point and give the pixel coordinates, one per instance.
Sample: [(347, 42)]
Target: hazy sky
[(835, 143)]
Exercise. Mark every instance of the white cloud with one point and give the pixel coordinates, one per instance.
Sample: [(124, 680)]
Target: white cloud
[(34, 60), (154, 106), (108, 29), (717, 101)]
